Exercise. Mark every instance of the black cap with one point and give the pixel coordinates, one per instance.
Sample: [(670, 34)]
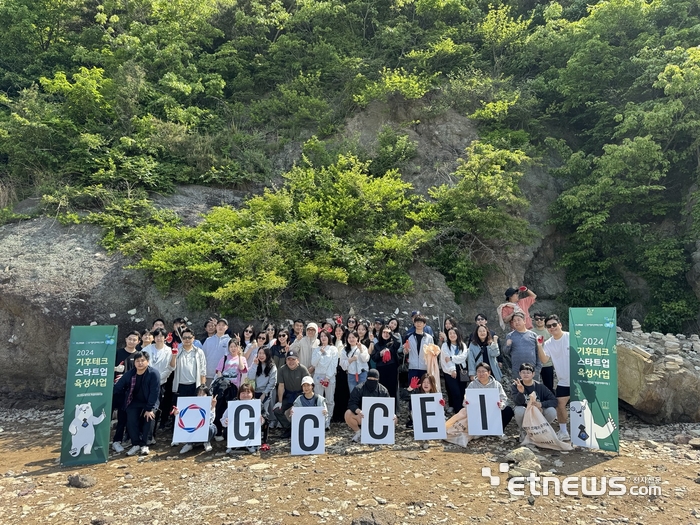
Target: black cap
[(373, 373), (510, 291), (292, 353)]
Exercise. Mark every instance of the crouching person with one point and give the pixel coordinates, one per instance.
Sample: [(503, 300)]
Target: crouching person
[(140, 386), (521, 390)]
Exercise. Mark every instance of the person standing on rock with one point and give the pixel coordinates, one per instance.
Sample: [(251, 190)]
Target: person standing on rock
[(522, 345), (514, 304), (557, 348), (141, 387)]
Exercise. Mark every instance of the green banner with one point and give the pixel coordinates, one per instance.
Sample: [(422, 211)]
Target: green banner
[(88, 405), (593, 354)]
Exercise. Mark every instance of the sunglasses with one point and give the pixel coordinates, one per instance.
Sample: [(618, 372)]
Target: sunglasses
[(247, 331), (539, 318), (261, 338), (552, 325), (185, 338)]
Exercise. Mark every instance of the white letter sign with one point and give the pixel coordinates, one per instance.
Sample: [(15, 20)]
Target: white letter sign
[(428, 417), (308, 431), (483, 414), (244, 428), (378, 421)]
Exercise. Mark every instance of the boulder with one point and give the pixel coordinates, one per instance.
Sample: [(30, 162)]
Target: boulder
[(659, 389)]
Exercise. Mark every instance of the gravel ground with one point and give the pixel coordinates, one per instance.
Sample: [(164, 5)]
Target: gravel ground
[(410, 482)]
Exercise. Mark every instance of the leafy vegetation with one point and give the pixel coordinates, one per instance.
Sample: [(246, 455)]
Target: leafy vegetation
[(101, 103)]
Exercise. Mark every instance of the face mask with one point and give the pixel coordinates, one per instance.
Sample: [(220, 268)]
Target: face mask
[(371, 385)]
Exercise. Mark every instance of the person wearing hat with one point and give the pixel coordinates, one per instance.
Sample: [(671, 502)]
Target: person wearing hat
[(370, 388), (289, 388), (310, 399), (521, 390), (522, 345), (515, 304), (304, 346)]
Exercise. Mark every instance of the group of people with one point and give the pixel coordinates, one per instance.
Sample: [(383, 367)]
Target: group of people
[(333, 364)]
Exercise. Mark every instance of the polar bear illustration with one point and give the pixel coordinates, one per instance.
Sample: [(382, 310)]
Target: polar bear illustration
[(584, 431), (82, 429)]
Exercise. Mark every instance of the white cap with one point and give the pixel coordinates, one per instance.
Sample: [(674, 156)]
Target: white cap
[(307, 380)]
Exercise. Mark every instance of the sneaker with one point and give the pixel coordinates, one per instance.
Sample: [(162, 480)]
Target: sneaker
[(409, 423), (522, 435), (219, 437), (173, 444), (207, 447), (186, 448), (252, 450), (563, 435), (144, 451), (133, 450), (286, 434), (356, 438), (117, 447), (228, 450), (151, 441)]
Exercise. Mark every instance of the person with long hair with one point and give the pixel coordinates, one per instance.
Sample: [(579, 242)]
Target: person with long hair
[(483, 349), (342, 392), (325, 362), (354, 360), (264, 373), (386, 356), (453, 357)]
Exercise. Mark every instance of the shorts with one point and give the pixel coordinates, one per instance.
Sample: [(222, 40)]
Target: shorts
[(562, 391)]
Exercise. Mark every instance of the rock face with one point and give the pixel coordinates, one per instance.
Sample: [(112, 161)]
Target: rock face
[(659, 375), (53, 277)]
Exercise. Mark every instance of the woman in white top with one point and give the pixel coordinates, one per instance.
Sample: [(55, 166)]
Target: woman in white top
[(324, 359), (354, 360), (453, 356)]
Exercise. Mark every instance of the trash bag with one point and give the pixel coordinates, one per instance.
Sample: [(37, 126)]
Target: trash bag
[(457, 429), (539, 432)]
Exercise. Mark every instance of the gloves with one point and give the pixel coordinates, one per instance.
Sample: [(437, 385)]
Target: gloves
[(119, 368), (386, 357), (277, 405), (442, 402), (523, 288), (414, 383)]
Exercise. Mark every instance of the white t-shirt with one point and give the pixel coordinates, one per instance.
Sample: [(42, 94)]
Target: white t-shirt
[(558, 350)]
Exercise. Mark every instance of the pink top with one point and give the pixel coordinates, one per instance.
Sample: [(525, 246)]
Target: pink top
[(524, 304), (229, 367)]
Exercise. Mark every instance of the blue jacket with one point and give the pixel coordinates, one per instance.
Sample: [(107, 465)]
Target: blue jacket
[(150, 383)]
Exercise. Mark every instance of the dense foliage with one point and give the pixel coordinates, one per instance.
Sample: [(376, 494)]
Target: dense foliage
[(104, 102)]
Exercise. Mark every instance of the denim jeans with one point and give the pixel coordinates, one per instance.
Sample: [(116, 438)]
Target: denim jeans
[(352, 383)]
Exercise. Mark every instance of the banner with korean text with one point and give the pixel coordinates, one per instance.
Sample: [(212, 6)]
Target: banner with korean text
[(88, 403), (593, 359)]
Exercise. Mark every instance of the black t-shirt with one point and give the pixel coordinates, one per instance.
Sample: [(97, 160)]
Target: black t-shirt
[(139, 396), (125, 358)]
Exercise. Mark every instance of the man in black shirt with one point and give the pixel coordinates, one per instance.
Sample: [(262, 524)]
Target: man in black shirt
[(370, 388)]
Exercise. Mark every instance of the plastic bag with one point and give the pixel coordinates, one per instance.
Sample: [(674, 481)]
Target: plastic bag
[(539, 432), (457, 429)]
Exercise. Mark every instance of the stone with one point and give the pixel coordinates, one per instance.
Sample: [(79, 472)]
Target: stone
[(375, 517), (636, 327), (531, 500), (695, 443), (681, 439), (521, 454), (81, 481), (367, 503)]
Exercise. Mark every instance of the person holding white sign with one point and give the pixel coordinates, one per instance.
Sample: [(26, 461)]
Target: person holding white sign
[(484, 379), (309, 398), (246, 393), (370, 388)]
